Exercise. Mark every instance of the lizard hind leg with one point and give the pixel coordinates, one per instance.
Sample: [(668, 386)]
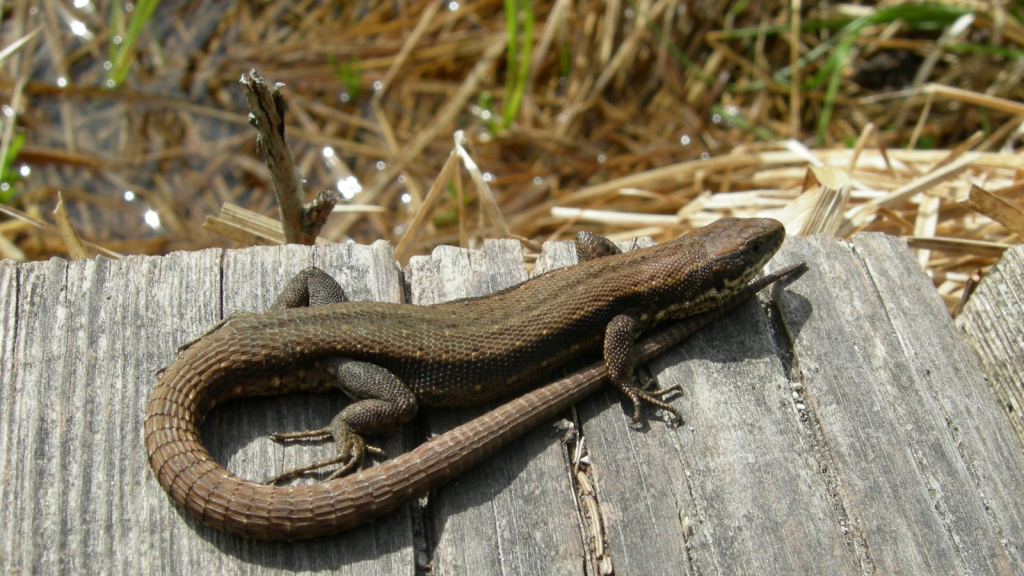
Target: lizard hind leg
[(380, 403), (310, 287), (590, 246), (352, 450)]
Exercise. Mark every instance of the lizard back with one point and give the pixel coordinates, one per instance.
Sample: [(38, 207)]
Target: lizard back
[(461, 352)]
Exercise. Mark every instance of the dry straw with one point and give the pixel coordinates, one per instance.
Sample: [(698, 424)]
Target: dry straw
[(647, 117)]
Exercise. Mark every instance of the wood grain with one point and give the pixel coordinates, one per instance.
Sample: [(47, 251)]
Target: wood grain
[(887, 385), (846, 430), (992, 322), (953, 421)]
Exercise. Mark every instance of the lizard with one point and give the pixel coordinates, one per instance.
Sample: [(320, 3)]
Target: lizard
[(393, 358)]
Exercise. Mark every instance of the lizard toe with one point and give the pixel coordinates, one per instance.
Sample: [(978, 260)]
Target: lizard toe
[(638, 397)]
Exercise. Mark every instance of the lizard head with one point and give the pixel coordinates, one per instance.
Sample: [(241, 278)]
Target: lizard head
[(739, 248), (735, 250)]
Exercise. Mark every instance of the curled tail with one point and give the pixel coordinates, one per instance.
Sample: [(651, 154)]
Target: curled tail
[(215, 496)]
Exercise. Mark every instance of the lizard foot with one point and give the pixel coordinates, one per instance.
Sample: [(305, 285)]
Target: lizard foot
[(352, 451), (654, 398)]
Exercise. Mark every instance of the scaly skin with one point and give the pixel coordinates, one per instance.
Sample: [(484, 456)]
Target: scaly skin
[(456, 353)]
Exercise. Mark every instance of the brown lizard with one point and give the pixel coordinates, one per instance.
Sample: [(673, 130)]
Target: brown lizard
[(392, 358)]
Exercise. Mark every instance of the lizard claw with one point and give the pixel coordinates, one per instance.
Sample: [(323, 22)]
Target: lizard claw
[(638, 396), (352, 451), (283, 437)]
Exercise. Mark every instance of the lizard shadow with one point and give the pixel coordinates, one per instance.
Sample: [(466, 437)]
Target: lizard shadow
[(746, 333), (743, 334)]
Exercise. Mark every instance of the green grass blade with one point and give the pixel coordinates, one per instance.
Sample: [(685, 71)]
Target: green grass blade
[(124, 52), (519, 53), (8, 175)]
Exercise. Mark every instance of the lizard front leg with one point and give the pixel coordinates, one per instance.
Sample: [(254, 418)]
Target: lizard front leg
[(620, 362), (620, 334)]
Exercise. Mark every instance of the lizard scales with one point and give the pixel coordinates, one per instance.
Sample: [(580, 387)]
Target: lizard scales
[(455, 353)]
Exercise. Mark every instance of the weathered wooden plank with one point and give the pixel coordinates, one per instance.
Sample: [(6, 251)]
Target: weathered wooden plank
[(42, 341), (88, 339), (514, 514), (992, 322), (145, 299), (19, 418), (979, 466), (8, 396), (86, 347), (732, 491), (893, 451)]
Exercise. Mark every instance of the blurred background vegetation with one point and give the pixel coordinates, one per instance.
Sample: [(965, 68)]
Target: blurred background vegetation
[(622, 116)]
